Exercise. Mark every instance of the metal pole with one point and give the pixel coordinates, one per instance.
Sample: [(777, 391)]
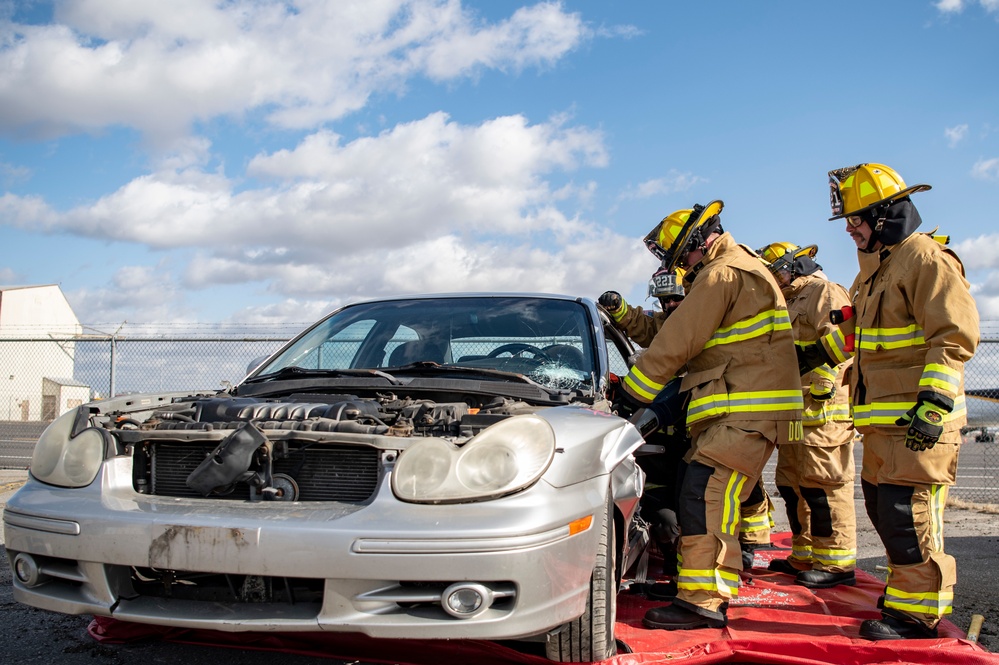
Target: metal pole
[(114, 346)]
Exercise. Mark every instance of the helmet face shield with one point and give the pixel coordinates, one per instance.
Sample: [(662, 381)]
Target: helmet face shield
[(651, 242)]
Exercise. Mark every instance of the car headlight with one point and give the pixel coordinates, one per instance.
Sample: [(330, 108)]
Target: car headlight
[(504, 458), (66, 460)]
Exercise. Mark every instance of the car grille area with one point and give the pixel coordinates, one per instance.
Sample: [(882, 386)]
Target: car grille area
[(306, 471)]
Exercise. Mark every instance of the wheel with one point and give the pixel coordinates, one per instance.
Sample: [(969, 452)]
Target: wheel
[(591, 637), (517, 348)]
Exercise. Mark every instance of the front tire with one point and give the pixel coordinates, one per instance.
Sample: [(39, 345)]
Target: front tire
[(591, 637)]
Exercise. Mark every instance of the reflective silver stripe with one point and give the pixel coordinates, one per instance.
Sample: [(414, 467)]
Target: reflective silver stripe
[(890, 338)]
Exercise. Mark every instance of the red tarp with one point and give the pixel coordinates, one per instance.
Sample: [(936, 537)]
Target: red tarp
[(772, 621)]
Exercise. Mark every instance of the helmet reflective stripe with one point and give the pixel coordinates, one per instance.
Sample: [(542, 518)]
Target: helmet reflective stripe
[(856, 189)]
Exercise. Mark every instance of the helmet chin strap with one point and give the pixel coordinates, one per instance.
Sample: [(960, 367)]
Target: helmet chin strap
[(881, 214)]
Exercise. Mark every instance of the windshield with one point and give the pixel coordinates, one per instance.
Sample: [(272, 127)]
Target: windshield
[(549, 341)]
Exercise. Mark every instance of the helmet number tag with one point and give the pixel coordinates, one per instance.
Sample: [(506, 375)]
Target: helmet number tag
[(835, 198)]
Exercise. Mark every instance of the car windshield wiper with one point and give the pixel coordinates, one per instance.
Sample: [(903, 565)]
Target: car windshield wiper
[(429, 367), (294, 371)]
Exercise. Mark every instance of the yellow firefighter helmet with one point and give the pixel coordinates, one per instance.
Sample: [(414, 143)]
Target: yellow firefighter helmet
[(856, 189), (780, 256), (681, 231)]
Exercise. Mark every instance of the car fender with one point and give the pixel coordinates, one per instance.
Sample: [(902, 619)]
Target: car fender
[(588, 443)]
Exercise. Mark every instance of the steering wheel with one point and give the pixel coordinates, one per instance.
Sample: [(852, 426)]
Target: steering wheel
[(518, 348)]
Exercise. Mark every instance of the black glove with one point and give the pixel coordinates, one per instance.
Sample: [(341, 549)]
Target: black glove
[(819, 395), (812, 356), (670, 405), (610, 300), (669, 408), (925, 421), (613, 303)]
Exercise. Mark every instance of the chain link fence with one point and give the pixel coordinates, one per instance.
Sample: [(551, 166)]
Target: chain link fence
[(43, 376)]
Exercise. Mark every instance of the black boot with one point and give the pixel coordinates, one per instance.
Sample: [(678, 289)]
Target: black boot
[(821, 579), (661, 591), (675, 617), (747, 555), (891, 627), (783, 566)]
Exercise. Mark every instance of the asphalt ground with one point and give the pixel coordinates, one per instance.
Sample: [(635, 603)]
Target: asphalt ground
[(29, 635)]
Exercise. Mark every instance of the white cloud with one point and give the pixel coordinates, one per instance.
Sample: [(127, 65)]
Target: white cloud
[(986, 296), (136, 293), (674, 181), (430, 205), (418, 180), (158, 67), (11, 174), (957, 6), (979, 253), (986, 169), (956, 134), (8, 276), (950, 6)]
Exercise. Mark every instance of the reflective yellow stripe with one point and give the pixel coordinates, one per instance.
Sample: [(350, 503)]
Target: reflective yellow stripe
[(836, 345), (941, 377), (934, 603), (886, 413), (755, 523), (801, 552), (712, 579), (835, 557), (643, 385), (732, 506), (754, 401), (826, 372), (761, 324), (938, 498), (870, 339), (825, 412)]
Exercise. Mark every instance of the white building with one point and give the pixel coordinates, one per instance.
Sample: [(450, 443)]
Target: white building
[(37, 328)]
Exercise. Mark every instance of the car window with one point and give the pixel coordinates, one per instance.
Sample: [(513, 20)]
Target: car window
[(547, 339), (618, 363)]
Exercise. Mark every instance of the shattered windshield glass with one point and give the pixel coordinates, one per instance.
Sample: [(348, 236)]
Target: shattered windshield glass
[(547, 340)]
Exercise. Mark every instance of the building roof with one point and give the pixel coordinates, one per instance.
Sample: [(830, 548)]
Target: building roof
[(65, 382), (17, 287)]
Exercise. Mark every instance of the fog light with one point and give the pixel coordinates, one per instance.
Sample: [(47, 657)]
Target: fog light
[(26, 570), (465, 600)]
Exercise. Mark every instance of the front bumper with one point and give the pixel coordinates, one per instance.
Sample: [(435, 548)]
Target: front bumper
[(378, 566)]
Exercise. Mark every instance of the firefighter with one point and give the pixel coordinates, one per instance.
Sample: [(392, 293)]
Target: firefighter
[(816, 477), (733, 337), (914, 328), (666, 286), (663, 471), (635, 322)]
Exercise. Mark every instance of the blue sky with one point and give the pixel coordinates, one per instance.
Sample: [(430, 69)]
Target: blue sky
[(264, 162)]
